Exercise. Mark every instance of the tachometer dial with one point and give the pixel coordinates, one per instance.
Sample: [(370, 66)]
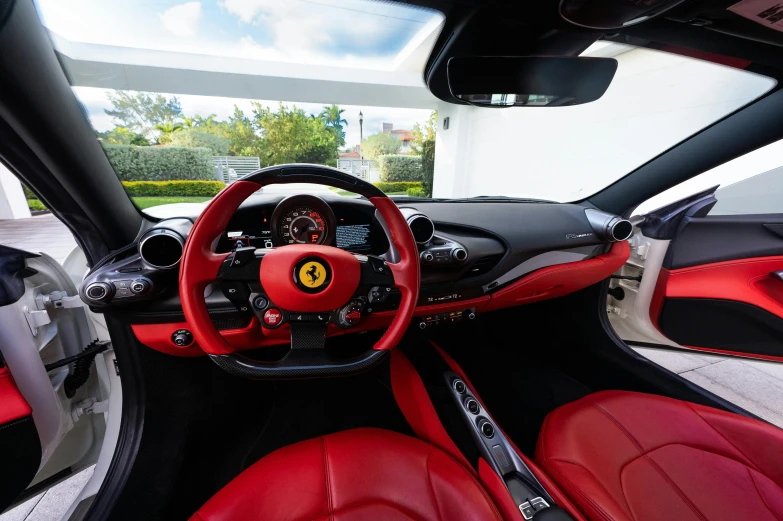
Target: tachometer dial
[(303, 225)]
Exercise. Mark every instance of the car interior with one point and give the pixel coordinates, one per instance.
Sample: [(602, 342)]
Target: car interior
[(313, 357)]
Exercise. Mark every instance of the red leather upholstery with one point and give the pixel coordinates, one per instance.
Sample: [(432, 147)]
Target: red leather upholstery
[(352, 475), (636, 457), (12, 404)]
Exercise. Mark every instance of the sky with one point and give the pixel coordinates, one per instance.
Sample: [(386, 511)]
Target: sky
[(328, 32), (353, 33)]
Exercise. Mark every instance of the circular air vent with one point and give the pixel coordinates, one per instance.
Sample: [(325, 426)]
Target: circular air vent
[(422, 228), (161, 249), (622, 230)]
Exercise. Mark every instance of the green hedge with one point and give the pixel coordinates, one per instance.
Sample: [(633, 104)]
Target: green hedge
[(35, 205), (172, 188), (160, 163), (195, 137), (416, 192), (403, 186), (28, 194), (398, 168)]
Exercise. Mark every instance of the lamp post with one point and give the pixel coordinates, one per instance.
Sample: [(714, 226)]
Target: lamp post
[(361, 138)]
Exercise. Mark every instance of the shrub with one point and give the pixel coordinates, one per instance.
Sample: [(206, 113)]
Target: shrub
[(196, 138), (416, 192), (160, 163), (389, 188), (428, 165), (172, 188), (28, 194), (400, 168), (35, 205)]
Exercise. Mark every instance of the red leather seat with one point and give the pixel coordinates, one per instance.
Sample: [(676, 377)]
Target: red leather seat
[(629, 456), (352, 475)]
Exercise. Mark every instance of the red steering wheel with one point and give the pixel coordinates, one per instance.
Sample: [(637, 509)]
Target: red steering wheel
[(306, 286)]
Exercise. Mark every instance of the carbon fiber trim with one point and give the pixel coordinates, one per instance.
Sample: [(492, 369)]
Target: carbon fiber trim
[(302, 363), (308, 336)]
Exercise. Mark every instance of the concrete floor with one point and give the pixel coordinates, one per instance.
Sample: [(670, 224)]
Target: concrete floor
[(753, 385), (42, 233), (52, 504)]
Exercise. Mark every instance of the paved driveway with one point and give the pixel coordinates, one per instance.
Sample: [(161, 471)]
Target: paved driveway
[(42, 233)]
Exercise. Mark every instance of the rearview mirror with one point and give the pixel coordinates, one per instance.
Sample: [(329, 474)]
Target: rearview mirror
[(533, 81)]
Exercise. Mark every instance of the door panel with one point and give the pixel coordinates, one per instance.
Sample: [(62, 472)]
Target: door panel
[(718, 290), (706, 240), (20, 449)]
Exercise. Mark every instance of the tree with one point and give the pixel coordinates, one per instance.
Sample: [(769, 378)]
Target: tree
[(122, 136), (197, 137), (241, 134), (166, 130), (424, 133), (140, 112), (381, 144), (332, 117), (291, 136), (202, 122)]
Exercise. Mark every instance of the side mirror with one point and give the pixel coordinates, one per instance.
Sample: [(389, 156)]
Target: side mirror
[(530, 81)]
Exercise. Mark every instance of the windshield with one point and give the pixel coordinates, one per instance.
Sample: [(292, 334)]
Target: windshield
[(187, 97)]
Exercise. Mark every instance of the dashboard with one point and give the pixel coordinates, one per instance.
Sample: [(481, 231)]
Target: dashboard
[(302, 219), (475, 256)]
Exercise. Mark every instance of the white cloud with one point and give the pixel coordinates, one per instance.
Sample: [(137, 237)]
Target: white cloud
[(183, 19)]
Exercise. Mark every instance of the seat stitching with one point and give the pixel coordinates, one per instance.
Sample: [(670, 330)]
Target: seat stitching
[(563, 478), (575, 488), (753, 480), (702, 418), (663, 474), (328, 484), (429, 482), (403, 510)]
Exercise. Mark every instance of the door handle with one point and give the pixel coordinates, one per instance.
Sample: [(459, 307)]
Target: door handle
[(777, 275)]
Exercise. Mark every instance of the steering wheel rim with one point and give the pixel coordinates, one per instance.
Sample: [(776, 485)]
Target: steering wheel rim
[(200, 266)]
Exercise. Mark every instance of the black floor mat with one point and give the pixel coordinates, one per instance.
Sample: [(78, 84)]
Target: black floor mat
[(203, 426), (519, 385)]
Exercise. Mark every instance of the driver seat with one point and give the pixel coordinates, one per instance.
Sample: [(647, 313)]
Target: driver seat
[(353, 475)]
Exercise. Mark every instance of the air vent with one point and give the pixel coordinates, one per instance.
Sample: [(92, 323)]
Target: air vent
[(483, 266), (161, 249)]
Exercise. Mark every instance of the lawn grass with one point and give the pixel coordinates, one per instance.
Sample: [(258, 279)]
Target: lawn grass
[(146, 202)]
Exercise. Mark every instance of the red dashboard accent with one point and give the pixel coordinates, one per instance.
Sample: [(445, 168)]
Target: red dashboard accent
[(158, 337), (277, 278), (12, 404), (559, 280), (743, 280)]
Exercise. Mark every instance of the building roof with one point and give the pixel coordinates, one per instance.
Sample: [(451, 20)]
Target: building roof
[(350, 155)]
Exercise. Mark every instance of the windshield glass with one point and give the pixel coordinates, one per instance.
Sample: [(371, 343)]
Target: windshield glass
[(188, 97)]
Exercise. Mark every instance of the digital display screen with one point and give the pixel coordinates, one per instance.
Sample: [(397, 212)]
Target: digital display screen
[(354, 237), (240, 240)]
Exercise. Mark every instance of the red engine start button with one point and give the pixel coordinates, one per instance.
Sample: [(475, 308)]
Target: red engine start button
[(272, 317)]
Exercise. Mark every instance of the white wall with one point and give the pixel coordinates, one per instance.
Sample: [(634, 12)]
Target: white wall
[(568, 153), (13, 203)]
